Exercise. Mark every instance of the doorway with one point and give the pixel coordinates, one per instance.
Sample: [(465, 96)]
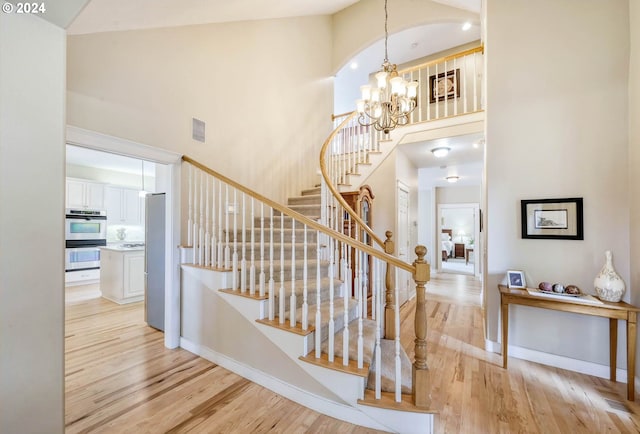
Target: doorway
[(167, 179), (458, 226)]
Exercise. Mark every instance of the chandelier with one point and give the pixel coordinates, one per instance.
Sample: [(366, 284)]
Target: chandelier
[(389, 104)]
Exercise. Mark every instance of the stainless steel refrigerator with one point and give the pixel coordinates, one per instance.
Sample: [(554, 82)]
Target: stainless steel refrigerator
[(154, 281)]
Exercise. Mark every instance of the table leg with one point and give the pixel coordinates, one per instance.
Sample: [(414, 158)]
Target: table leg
[(613, 348), (505, 332), (631, 355)]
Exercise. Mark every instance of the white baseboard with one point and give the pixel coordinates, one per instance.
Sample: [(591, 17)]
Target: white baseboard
[(562, 362), (300, 396)]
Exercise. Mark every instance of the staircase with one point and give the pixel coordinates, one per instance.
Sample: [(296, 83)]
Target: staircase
[(292, 326)]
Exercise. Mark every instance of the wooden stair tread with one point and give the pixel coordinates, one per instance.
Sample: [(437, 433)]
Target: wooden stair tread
[(388, 400), (246, 294), (203, 267), (337, 364), (287, 327)]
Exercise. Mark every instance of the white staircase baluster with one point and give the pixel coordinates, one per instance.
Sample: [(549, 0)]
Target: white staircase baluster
[(362, 306), (234, 278), (207, 224), (252, 268), (365, 283), (220, 253), (281, 297), (293, 299), (190, 208), (272, 285), (227, 249), (475, 83), (456, 88), (262, 235), (331, 309), (194, 260), (345, 330), (445, 99), (377, 289), (214, 239), (318, 333), (243, 261), (398, 364), (201, 228), (305, 276), (437, 103)]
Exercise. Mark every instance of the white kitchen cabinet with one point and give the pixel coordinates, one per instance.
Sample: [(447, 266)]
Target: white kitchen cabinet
[(83, 194), (124, 206), (122, 274)]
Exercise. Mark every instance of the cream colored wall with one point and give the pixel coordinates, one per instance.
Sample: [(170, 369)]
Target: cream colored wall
[(458, 194), (556, 128), (634, 151), (264, 89), (32, 162), (361, 24)]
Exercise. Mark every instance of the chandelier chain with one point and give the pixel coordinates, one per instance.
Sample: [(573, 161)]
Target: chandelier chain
[(386, 33)]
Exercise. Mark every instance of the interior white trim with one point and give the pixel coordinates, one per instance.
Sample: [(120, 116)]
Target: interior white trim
[(556, 361), (116, 145)]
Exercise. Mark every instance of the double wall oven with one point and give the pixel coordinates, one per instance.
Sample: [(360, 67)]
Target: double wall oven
[(85, 232)]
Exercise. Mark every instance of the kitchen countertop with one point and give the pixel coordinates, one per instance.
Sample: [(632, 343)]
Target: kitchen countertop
[(124, 247)]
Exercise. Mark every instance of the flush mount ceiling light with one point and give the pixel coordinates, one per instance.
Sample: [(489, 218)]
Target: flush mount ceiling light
[(440, 152), (388, 105), (452, 179)]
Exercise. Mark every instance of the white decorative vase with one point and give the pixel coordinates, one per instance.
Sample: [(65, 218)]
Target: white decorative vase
[(609, 286)]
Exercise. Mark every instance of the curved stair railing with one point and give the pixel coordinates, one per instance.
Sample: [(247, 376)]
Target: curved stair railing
[(295, 262)]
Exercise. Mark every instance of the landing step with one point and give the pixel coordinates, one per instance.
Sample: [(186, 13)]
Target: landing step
[(287, 326), (336, 365), (388, 400), (247, 294)]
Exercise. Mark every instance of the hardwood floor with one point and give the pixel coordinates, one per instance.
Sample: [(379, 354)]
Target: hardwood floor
[(120, 378)]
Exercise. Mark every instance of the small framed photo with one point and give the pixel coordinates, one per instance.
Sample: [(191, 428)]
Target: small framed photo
[(552, 218), (515, 279), (445, 85)]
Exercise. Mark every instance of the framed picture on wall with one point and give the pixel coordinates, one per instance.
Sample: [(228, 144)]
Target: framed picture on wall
[(445, 85), (552, 218)]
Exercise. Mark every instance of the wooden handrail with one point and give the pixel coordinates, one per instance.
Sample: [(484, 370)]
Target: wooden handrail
[(334, 191), (307, 221), (478, 49)]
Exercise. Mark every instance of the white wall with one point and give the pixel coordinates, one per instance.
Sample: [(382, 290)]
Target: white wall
[(32, 119), (264, 89), (553, 133), (634, 152), (461, 194)]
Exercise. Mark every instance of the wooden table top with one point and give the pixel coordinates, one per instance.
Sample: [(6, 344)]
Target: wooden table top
[(522, 293)]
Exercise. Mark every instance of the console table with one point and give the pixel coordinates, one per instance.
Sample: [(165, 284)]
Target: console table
[(613, 311)]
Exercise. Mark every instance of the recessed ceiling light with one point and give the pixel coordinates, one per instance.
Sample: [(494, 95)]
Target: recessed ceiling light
[(452, 178), (466, 26), (354, 65), (441, 151)]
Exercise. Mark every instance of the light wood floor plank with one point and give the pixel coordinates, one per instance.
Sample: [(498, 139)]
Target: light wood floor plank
[(120, 378)]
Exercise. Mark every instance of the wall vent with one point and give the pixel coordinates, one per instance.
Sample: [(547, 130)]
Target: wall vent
[(198, 130)]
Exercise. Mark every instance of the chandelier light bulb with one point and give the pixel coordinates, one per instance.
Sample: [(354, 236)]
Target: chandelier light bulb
[(366, 92)]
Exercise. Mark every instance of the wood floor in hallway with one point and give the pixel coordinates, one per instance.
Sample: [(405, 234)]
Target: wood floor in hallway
[(121, 379)]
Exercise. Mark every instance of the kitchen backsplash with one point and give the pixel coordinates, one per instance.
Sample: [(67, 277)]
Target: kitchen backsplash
[(128, 233)]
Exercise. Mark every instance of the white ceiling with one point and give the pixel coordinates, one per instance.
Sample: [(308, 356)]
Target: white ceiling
[(80, 156)]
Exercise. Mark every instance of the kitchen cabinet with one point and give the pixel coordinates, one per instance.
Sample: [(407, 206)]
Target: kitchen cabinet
[(122, 274), (84, 194), (124, 206)]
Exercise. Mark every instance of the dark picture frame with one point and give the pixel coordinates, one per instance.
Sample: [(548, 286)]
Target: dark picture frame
[(552, 218), (445, 85)]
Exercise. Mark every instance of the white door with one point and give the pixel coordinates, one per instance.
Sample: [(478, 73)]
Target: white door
[(403, 278)]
